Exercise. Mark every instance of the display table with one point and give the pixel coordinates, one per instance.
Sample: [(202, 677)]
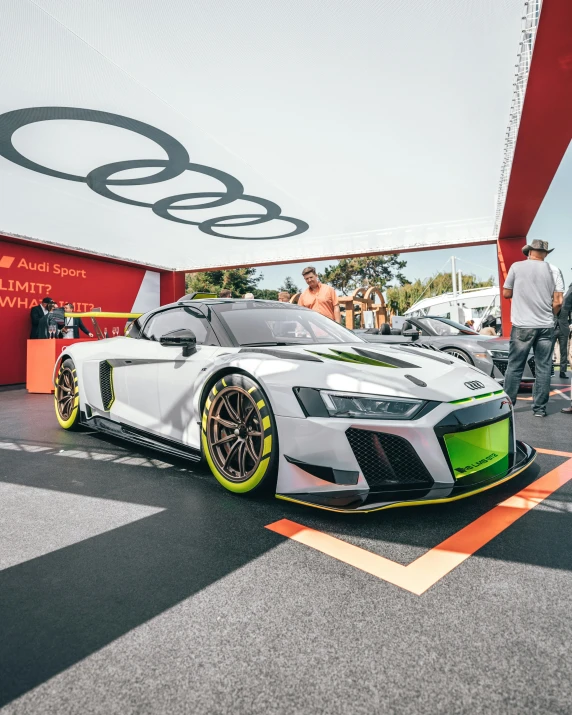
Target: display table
[(40, 361)]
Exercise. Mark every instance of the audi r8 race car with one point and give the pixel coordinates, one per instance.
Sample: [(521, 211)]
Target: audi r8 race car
[(275, 396)]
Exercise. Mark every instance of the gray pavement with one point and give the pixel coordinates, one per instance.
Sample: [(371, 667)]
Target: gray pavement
[(130, 583)]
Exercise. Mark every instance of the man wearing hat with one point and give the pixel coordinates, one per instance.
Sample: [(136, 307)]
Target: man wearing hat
[(536, 289), (36, 314)]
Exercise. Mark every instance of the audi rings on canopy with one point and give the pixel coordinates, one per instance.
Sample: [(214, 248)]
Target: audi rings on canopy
[(178, 161)]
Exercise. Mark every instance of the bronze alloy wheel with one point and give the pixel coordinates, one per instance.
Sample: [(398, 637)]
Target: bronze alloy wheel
[(234, 433), (65, 393)]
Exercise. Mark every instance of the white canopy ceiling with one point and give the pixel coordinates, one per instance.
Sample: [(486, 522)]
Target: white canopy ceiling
[(357, 126)]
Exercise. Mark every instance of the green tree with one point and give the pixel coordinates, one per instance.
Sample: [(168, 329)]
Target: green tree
[(351, 273), (401, 298), (289, 286), (238, 280), (265, 294)]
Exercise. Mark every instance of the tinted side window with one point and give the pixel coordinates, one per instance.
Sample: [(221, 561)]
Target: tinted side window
[(179, 319)]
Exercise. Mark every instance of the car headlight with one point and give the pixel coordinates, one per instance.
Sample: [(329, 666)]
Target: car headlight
[(502, 354), (370, 407)]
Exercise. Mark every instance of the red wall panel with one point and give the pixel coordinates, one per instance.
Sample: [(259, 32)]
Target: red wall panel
[(29, 273)]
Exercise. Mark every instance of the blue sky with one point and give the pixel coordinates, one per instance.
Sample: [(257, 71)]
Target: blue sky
[(553, 223)]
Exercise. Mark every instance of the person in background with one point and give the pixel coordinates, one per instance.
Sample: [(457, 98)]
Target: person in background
[(46, 321), (283, 296), (470, 324), (319, 297), (562, 332), (72, 326), (249, 296), (36, 314), (487, 326), (536, 291), (225, 293)]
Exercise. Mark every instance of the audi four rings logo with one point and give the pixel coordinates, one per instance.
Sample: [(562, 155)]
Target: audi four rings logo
[(474, 385), (178, 161)]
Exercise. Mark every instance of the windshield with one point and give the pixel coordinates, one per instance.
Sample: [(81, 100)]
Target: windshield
[(444, 326), (253, 323)]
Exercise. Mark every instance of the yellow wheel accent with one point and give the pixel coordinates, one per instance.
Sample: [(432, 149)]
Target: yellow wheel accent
[(237, 435), (66, 396)]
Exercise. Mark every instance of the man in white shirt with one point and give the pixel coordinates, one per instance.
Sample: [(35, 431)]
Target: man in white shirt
[(72, 326), (536, 289)]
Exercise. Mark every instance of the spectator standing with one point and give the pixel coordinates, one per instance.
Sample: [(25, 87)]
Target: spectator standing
[(319, 297), (562, 332), (225, 293), (73, 325), (36, 314), (249, 296), (47, 320), (283, 296), (535, 288)]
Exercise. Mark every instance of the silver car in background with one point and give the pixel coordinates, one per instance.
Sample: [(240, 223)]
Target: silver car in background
[(487, 353)]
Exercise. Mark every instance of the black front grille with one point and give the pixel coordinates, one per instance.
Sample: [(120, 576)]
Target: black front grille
[(501, 365), (387, 461), (105, 385)]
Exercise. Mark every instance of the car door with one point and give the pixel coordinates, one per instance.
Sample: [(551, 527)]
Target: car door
[(176, 374)]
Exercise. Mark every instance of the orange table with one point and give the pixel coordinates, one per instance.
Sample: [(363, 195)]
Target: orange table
[(41, 358)]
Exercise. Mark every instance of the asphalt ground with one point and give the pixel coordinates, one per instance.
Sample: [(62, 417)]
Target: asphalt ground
[(130, 583)]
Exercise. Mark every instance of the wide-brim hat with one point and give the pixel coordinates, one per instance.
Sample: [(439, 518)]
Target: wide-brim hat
[(536, 245)]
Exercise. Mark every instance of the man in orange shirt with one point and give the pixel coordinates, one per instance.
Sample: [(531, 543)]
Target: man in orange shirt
[(319, 297)]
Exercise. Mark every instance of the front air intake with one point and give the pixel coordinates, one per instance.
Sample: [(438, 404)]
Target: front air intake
[(106, 384), (388, 462)]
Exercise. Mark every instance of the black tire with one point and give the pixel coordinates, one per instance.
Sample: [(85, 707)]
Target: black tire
[(459, 354), (66, 396), (239, 436)]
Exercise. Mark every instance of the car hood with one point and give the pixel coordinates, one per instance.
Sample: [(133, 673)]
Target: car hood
[(395, 370)]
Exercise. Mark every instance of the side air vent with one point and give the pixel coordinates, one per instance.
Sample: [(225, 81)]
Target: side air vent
[(388, 462), (106, 384)]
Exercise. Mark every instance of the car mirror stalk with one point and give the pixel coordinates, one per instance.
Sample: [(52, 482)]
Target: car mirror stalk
[(183, 338)]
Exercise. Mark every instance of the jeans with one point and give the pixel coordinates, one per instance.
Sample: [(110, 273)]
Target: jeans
[(522, 341)]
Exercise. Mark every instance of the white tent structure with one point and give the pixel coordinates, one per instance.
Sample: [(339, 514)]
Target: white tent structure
[(192, 135)]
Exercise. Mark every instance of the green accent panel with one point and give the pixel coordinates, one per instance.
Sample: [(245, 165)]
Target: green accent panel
[(485, 450), (486, 394), (354, 357), (331, 357), (463, 399)]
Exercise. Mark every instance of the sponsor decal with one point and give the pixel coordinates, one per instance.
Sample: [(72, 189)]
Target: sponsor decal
[(34, 284), (476, 465)]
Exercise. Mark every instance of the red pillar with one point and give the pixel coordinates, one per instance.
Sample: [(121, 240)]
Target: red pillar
[(172, 286), (509, 251)]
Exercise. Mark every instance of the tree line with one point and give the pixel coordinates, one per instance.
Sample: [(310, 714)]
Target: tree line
[(383, 272)]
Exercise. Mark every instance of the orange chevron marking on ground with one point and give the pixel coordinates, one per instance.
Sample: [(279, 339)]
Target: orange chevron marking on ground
[(430, 568)]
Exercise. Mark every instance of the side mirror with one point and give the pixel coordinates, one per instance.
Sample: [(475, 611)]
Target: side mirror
[(183, 338), (411, 333)]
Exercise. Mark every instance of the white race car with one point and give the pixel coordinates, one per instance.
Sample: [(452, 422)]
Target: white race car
[(279, 397)]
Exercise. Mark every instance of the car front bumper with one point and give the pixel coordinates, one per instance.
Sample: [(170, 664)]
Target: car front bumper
[(366, 465)]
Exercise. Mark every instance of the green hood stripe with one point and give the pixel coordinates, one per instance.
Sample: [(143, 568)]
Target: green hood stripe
[(354, 358)]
